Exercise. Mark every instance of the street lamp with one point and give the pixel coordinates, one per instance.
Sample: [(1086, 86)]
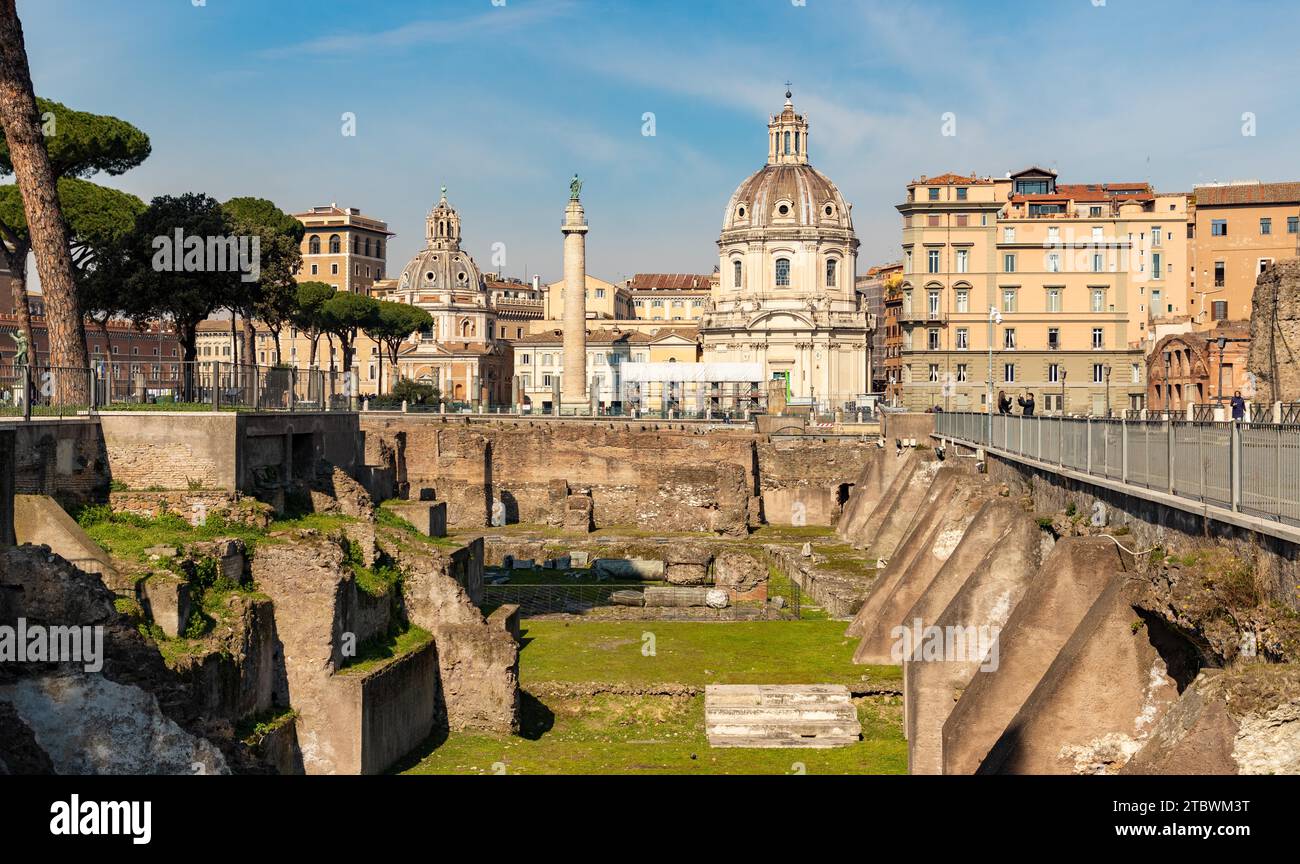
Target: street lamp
[(1169, 387), (1223, 343), (1106, 369), (1064, 373)]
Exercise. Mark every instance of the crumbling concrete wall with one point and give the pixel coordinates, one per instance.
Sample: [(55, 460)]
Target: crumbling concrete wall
[(1275, 333), (6, 488), (63, 458)]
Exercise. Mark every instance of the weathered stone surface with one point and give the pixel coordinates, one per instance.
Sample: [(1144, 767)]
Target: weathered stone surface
[(686, 574), (1101, 698), (578, 514), (231, 556), (660, 596), (1275, 333), (1070, 581), (629, 568), (19, 752), (777, 715), (427, 517), (167, 601), (627, 597), (88, 724), (1244, 720), (333, 491), (743, 576)]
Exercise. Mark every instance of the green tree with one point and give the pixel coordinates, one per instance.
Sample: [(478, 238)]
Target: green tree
[(343, 315), (274, 297), (99, 220), (306, 316), (392, 324), (158, 281), (77, 144)]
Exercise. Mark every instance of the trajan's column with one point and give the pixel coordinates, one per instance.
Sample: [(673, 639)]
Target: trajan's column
[(573, 385)]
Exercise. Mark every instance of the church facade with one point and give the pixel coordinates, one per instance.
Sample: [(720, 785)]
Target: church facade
[(460, 353), (785, 297)]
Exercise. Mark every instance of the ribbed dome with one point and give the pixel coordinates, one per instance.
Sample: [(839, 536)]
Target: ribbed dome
[(794, 196), (441, 265)]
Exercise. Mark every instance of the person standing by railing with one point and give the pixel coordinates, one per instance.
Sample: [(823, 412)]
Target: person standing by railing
[(1238, 406), (1026, 404), (1004, 402)]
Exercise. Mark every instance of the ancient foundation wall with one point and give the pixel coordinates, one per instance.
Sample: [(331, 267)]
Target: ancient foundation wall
[(398, 705), (165, 450), (649, 475), (6, 488), (64, 459)]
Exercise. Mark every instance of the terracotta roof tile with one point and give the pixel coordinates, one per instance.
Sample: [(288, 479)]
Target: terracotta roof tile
[(1247, 193)]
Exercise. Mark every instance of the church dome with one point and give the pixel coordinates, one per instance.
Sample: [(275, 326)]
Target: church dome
[(787, 191), (441, 265), (797, 196)]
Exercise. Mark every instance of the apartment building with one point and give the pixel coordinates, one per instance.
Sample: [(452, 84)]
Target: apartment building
[(1239, 229), (1023, 284), (343, 247), (605, 302), (670, 296), (872, 287)]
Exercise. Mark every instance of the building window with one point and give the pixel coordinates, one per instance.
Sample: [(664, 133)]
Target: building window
[(1009, 373), (934, 373), (962, 375), (1053, 338), (335, 246), (736, 271), (1219, 273), (963, 338), (1098, 299), (1053, 373), (1098, 340), (1265, 226), (1220, 312), (1054, 262), (830, 272), (934, 194), (600, 293), (907, 261), (783, 272), (1135, 373), (1008, 235), (1156, 261), (1009, 339), (1053, 299), (313, 245), (1219, 228), (961, 193), (963, 300), (932, 340), (1098, 262), (1293, 224), (1156, 235), (962, 220), (1009, 300), (963, 261), (1098, 373), (932, 260), (1094, 212), (932, 221), (932, 309), (1262, 265), (313, 270), (1009, 262)]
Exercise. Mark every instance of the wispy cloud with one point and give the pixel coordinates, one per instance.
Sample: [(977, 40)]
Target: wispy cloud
[(494, 23)]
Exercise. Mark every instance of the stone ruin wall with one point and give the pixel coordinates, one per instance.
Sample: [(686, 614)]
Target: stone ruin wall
[(1275, 334), (653, 478)]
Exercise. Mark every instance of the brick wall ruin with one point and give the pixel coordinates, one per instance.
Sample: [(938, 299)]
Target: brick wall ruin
[(1275, 333)]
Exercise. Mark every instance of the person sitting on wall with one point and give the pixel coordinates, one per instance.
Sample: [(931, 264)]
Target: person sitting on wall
[(1026, 403), (1004, 402), (1238, 406)]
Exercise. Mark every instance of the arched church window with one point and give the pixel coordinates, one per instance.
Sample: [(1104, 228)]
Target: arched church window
[(830, 272), (736, 270), (783, 272), (787, 143), (796, 142), (334, 244), (366, 246), (313, 245), (356, 245)]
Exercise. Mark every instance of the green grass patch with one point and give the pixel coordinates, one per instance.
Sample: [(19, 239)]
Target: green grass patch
[(376, 652), (687, 652), (629, 734)]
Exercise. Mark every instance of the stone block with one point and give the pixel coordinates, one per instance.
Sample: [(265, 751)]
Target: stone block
[(578, 514), (744, 577), (629, 568), (677, 597), (166, 599), (427, 517), (507, 618), (579, 559), (780, 715), (686, 574)]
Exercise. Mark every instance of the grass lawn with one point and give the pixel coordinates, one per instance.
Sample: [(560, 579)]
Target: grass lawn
[(632, 734)]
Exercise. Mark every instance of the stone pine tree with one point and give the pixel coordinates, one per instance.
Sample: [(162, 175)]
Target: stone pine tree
[(306, 316), (274, 297), (21, 122), (78, 144), (392, 325), (343, 315)]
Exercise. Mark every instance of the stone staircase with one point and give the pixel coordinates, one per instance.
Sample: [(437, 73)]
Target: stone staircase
[(780, 715)]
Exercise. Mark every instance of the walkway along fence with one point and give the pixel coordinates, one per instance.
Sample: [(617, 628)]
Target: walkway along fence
[(30, 390), (1251, 468)]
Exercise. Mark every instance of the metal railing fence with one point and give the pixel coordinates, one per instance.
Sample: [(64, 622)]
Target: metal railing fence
[(1251, 468)]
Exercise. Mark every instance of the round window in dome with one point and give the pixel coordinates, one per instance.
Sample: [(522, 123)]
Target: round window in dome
[(784, 210), (430, 276), (461, 276), (741, 212), (830, 211)]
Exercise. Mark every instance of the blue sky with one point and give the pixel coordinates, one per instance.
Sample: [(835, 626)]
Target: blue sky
[(503, 103)]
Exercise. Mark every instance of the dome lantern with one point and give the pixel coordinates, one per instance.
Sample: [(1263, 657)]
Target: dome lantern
[(787, 136)]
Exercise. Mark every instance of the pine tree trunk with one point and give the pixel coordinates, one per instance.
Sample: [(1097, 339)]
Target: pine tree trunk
[(48, 231)]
